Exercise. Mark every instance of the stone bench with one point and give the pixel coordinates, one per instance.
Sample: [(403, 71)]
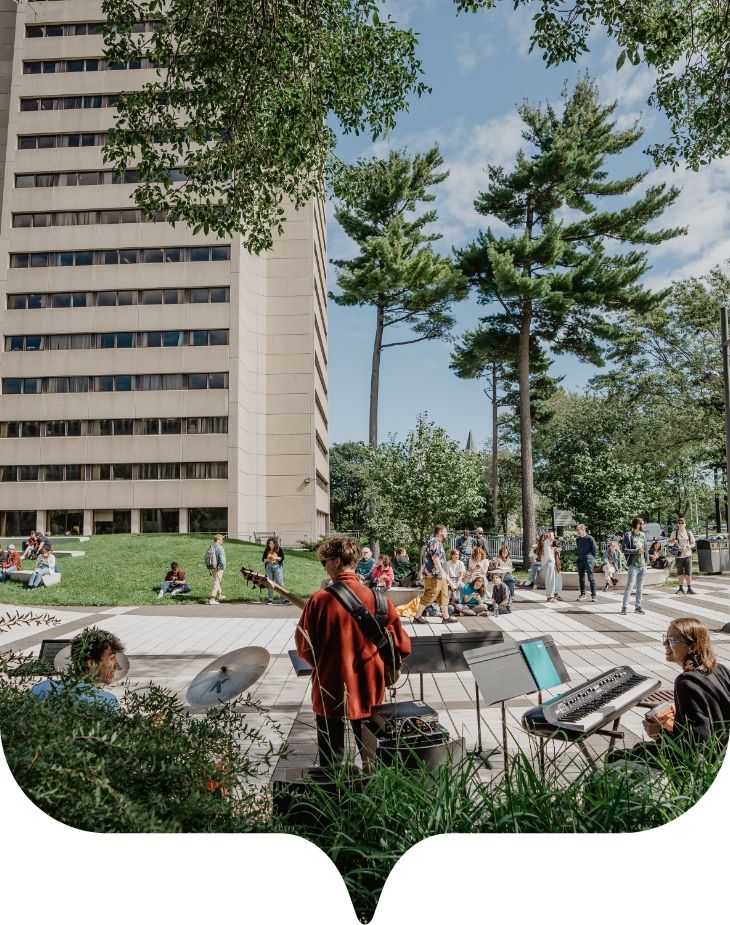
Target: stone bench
[(652, 578), (69, 553), (23, 577), (400, 596)]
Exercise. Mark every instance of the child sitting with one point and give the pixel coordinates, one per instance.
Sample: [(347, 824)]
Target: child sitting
[(382, 575), (501, 598), (174, 582)]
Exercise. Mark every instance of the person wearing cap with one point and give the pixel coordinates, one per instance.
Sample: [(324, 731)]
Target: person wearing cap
[(10, 562), (45, 564)]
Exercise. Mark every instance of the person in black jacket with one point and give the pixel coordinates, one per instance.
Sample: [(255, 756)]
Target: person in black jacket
[(701, 691), (273, 559), (587, 549)]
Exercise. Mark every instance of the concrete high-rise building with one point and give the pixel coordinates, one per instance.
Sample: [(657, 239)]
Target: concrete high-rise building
[(152, 379)]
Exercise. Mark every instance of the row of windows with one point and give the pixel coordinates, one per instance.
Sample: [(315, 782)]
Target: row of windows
[(79, 65), (105, 472), (73, 140), (114, 297), (117, 339), (82, 217), (155, 382), (114, 427), (84, 178), (57, 30), (95, 101), (127, 255)]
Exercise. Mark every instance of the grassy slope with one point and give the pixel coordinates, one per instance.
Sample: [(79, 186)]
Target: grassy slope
[(127, 569)]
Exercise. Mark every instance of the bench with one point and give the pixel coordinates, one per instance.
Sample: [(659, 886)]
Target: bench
[(399, 596), (23, 577), (652, 578)]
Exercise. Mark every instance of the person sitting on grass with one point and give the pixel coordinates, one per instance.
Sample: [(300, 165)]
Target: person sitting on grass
[(382, 575), (93, 663), (501, 597), (174, 582), (10, 562), (364, 568), (45, 565), (472, 598)]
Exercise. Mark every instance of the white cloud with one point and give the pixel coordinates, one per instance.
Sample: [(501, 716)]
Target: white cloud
[(471, 49)]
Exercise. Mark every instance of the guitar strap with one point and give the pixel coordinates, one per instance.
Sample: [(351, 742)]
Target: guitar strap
[(372, 626)]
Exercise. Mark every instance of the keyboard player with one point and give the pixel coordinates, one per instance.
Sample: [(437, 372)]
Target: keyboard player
[(701, 693)]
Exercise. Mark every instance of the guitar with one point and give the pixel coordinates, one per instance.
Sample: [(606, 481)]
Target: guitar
[(261, 581)]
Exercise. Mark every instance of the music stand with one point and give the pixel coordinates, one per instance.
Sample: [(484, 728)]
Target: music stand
[(502, 672)]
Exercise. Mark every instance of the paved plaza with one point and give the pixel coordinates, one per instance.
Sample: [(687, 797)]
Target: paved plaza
[(170, 645)]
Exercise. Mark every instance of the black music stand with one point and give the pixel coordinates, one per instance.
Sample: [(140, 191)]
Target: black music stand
[(502, 672)]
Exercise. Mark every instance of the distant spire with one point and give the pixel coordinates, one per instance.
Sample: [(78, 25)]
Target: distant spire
[(471, 446)]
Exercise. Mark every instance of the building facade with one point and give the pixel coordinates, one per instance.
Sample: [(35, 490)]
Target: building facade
[(152, 380)]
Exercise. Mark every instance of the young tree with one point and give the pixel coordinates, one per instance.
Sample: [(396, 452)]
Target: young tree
[(421, 481), (246, 100), (490, 352), (685, 41), (552, 280), (396, 272), (349, 479)]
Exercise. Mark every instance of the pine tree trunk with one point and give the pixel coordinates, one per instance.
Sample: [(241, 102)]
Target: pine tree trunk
[(528, 494), (374, 390), (375, 377), (495, 447)]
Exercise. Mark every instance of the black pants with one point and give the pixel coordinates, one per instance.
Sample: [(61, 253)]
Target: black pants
[(331, 739), (585, 567)]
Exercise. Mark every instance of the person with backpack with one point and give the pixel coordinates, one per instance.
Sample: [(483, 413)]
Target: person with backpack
[(681, 543), (352, 637), (215, 562)]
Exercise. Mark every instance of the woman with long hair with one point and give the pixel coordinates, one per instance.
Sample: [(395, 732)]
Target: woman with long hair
[(478, 564), (503, 565), (546, 558), (273, 559)]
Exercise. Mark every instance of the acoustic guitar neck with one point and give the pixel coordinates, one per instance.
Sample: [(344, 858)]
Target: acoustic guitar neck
[(261, 581)]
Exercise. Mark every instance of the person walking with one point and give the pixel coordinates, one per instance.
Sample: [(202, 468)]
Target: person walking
[(546, 557), (682, 542), (435, 587), (215, 561), (273, 559), (587, 549), (633, 547)]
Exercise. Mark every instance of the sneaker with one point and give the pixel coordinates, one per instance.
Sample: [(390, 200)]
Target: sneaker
[(680, 591), (690, 590), (530, 584), (467, 612), (420, 620), (582, 597), (623, 610), (593, 599), (269, 602), (173, 593), (639, 610), (449, 620), (221, 597), (614, 581), (213, 601), (161, 594)]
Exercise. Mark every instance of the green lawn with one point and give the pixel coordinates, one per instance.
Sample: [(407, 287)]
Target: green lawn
[(128, 568)]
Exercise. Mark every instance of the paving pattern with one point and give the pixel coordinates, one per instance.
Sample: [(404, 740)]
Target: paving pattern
[(170, 645)]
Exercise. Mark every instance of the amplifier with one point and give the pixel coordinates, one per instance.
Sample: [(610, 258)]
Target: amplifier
[(409, 730)]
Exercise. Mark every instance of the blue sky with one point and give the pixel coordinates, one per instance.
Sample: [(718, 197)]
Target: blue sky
[(480, 70)]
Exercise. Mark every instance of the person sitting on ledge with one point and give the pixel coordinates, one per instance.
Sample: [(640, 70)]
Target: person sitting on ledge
[(45, 565), (10, 562), (382, 575), (93, 662), (174, 582), (364, 568)]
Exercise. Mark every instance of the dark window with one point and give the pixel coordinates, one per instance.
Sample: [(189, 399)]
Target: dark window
[(92, 64), (17, 342), (90, 102), (87, 178), (101, 472), (8, 474), (74, 141), (171, 338), (31, 429), (123, 427), (122, 471), (127, 297), (12, 386), (74, 473), (125, 339), (171, 426), (36, 300), (39, 260), (54, 31), (104, 384), (27, 473), (34, 32), (32, 342), (217, 380), (221, 253), (219, 294), (27, 143), (171, 296), (106, 298), (199, 295), (73, 428), (79, 299), (218, 338), (152, 255), (84, 258), (199, 253), (53, 474), (28, 105), (88, 140), (208, 519), (72, 67), (32, 386), (55, 428), (199, 338), (153, 339), (24, 181), (65, 259), (172, 255), (19, 261), (22, 220), (61, 300), (148, 427), (17, 301), (147, 471), (32, 67), (197, 381), (152, 297), (123, 384), (106, 341), (129, 256), (103, 428)]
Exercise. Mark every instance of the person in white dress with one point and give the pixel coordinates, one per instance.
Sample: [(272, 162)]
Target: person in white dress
[(546, 558)]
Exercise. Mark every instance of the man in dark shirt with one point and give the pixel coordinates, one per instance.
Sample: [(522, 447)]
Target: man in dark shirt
[(587, 549)]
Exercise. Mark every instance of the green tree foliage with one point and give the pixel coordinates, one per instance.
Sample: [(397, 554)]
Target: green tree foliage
[(349, 479), (587, 463), (421, 481), (396, 271), (684, 41), (669, 360), (246, 102), (552, 279)]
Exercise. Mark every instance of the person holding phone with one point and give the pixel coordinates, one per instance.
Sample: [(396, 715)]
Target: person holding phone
[(633, 548)]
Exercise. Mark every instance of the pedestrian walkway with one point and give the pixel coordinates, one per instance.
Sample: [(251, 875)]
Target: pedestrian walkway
[(169, 645)]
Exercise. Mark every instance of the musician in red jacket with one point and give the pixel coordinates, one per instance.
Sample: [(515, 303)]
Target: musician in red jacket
[(348, 679)]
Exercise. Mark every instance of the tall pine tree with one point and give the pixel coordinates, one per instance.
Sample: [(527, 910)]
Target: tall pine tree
[(560, 277), (396, 271)]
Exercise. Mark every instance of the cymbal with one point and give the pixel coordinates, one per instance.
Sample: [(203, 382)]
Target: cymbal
[(228, 676), (60, 663)]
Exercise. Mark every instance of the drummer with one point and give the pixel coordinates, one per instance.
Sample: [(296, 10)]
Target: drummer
[(93, 662)]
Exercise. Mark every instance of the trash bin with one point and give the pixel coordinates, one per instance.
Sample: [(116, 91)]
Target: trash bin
[(713, 556)]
